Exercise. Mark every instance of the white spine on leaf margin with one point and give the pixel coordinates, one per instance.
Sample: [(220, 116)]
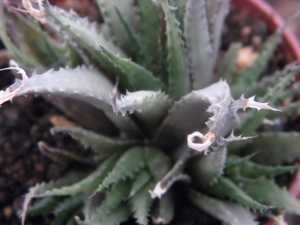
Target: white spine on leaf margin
[(210, 136), (12, 90)]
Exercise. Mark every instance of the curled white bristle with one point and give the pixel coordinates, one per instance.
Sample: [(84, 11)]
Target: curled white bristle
[(206, 139), (16, 87)]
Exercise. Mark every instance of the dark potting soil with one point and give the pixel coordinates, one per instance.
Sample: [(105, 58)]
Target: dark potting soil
[(26, 122)]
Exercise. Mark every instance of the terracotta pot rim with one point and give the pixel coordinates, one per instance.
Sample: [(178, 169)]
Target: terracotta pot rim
[(290, 44)]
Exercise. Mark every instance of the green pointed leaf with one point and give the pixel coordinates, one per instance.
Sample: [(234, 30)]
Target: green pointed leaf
[(79, 29), (62, 156), (99, 143), (180, 10), (129, 164), (176, 173), (140, 181), (157, 162), (164, 209), (67, 179), (199, 47), (67, 209), (252, 170), (178, 80), (141, 202), (228, 212), (268, 193), (81, 83), (89, 183), (90, 206), (116, 27), (206, 169), (132, 76), (147, 104), (17, 53), (114, 197), (118, 215), (149, 36), (225, 188), (207, 107), (44, 206), (227, 68), (216, 22), (272, 148)]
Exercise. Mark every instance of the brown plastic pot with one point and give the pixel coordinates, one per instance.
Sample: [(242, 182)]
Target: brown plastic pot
[(290, 47)]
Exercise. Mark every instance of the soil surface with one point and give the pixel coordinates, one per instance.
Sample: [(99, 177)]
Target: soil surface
[(26, 122)]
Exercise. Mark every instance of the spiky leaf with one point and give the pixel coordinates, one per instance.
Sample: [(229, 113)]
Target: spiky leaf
[(228, 212), (140, 203), (118, 215), (178, 80), (206, 169), (199, 47), (141, 180), (130, 163), (67, 209), (114, 197), (89, 183), (272, 148), (268, 193), (99, 143), (225, 188)]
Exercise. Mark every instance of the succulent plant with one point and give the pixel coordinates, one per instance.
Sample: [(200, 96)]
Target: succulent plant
[(155, 109)]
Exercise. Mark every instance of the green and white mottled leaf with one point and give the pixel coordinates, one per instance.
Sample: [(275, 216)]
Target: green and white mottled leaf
[(128, 165), (268, 193), (178, 80), (99, 143), (86, 185), (199, 46), (228, 212), (225, 188), (141, 202)]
